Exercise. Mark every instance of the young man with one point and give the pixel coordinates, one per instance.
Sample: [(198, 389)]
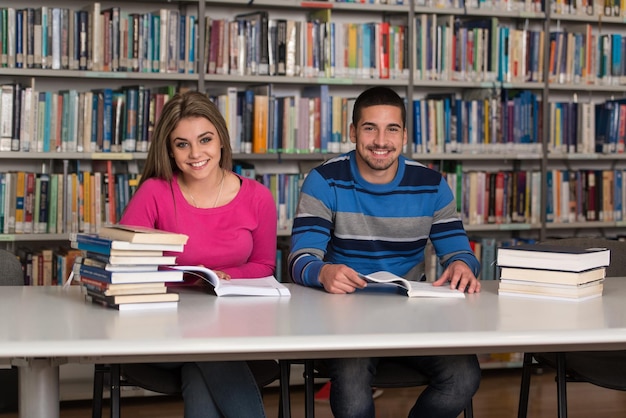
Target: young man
[(373, 209)]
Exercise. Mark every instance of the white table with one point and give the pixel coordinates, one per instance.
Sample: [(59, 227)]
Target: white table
[(43, 327)]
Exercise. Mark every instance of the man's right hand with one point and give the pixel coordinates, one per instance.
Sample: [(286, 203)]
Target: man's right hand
[(339, 278)]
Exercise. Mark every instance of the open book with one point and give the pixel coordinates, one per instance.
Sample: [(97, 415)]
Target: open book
[(265, 286), (413, 288)]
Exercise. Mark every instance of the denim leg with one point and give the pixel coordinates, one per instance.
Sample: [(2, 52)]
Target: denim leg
[(233, 388), (198, 403), (351, 387), (453, 382)]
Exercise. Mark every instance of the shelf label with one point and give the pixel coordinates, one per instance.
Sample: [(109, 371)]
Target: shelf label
[(112, 156), (105, 74), (7, 237), (324, 80), (514, 227)]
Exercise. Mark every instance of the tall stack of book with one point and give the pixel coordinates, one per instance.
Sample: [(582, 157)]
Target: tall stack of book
[(125, 267), (552, 271)]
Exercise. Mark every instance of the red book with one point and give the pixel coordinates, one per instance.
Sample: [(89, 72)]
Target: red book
[(110, 194), (29, 203), (499, 197), (384, 49)]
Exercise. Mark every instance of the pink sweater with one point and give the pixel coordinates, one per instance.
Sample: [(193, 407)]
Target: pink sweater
[(238, 238)]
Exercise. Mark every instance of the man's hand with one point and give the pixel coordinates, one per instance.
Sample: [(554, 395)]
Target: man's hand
[(339, 278), (460, 277)]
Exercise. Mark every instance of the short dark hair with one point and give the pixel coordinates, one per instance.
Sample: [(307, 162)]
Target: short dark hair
[(378, 96)]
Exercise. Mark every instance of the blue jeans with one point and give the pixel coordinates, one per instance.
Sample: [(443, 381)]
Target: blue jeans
[(453, 382), (220, 389)]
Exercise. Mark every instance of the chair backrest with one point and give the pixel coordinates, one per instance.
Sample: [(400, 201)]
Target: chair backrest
[(11, 273), (617, 248), (166, 381)]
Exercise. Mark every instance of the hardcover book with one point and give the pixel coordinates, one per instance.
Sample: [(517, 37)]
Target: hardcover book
[(131, 259), (106, 276), (553, 257), (265, 286), (552, 276), (132, 306), (413, 288), (141, 235), (551, 291), (113, 300), (108, 289), (117, 244)]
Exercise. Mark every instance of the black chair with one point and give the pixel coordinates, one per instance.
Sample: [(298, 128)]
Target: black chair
[(11, 274), (601, 368), (168, 382), (390, 373)]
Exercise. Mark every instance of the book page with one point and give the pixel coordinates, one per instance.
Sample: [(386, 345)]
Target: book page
[(413, 288), (265, 286)]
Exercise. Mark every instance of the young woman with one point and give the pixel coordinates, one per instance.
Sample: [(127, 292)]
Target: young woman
[(187, 187)]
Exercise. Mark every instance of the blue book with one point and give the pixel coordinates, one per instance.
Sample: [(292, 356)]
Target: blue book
[(418, 144), (182, 47), (616, 54), (114, 244), (366, 48), (145, 54), (19, 38), (617, 197), (132, 106), (100, 274), (549, 196), (44, 198), (193, 27), (44, 37), (107, 121), (488, 259), (93, 141), (2, 197), (155, 36)]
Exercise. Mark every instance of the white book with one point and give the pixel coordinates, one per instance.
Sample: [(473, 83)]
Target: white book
[(264, 286), (11, 37), (6, 116), (412, 288), (553, 257), (56, 38)]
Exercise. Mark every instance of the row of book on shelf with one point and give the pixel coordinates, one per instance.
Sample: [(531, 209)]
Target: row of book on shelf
[(504, 197), (314, 120), (85, 200), (253, 43), (168, 41), (512, 121), (552, 271), (100, 120), (559, 7)]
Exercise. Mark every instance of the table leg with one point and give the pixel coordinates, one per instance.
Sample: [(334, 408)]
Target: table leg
[(39, 388), (561, 383)]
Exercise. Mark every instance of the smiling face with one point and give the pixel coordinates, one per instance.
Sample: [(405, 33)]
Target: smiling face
[(379, 137), (196, 148)]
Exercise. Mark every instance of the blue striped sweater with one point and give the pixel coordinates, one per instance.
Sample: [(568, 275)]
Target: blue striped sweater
[(343, 219)]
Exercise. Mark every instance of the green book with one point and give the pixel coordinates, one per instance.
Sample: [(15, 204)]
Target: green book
[(52, 204)]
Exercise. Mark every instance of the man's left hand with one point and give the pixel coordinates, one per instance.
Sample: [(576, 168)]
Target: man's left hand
[(460, 277)]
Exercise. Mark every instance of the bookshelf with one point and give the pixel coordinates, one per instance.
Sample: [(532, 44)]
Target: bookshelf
[(493, 104)]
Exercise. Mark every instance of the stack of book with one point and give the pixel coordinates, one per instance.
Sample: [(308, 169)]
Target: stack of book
[(552, 271), (124, 267)]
